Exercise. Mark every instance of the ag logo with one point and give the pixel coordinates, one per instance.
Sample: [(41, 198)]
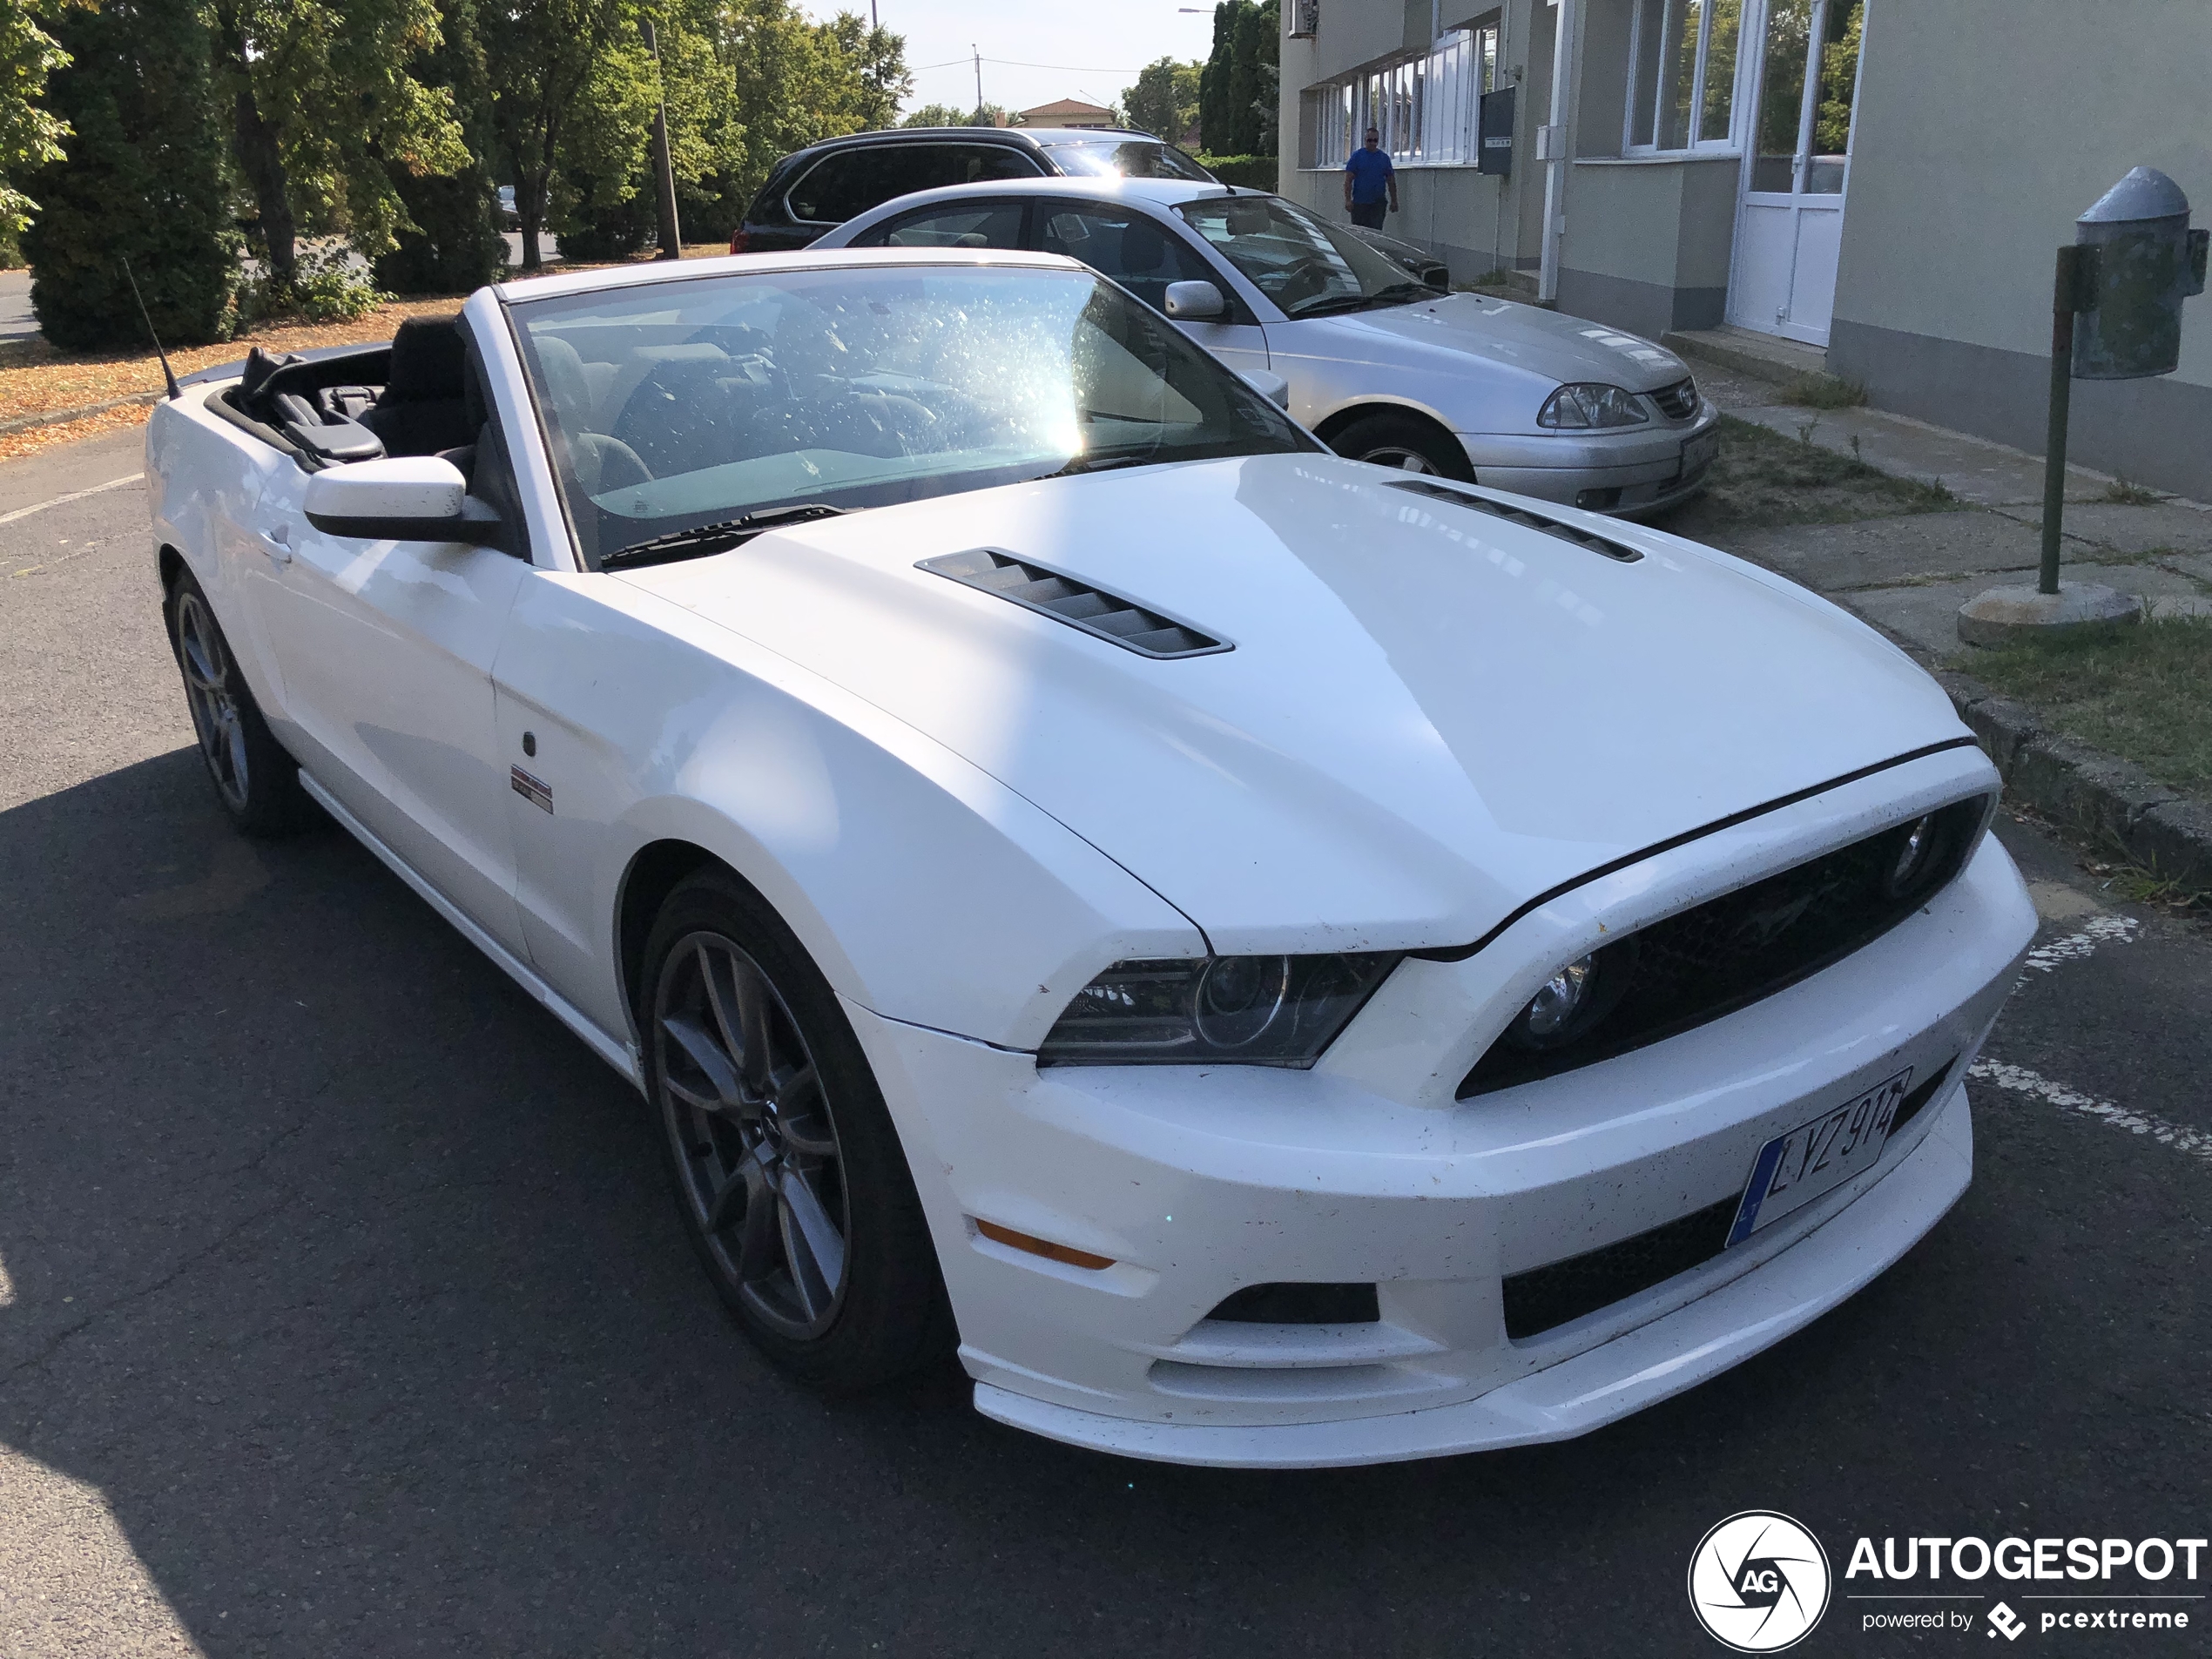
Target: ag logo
[(1758, 1582)]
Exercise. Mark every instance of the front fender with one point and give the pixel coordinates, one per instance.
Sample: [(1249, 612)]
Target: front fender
[(925, 890)]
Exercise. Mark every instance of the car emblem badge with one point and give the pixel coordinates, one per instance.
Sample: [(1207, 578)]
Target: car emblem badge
[(534, 790)]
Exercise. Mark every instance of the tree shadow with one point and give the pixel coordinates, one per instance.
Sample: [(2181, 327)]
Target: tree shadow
[(351, 1280)]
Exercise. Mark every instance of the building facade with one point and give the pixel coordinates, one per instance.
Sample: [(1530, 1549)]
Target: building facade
[(1882, 180), (1067, 113)]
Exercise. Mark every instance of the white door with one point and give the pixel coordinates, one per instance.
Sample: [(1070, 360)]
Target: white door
[(1789, 225), (386, 651)]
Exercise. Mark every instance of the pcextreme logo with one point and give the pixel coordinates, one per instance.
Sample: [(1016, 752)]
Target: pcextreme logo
[(1758, 1582)]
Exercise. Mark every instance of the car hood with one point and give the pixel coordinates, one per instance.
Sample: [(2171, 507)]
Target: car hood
[(1429, 716), (1543, 343)]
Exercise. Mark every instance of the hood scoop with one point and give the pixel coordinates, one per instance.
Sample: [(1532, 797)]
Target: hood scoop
[(1107, 616), (1520, 515)]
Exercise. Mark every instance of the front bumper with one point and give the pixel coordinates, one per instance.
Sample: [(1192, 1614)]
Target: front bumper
[(1636, 471), (1196, 1182)]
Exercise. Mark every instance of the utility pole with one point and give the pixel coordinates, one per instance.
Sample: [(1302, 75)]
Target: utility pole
[(671, 233), (978, 51)]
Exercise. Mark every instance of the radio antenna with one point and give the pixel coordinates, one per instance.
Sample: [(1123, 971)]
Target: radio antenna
[(146, 317)]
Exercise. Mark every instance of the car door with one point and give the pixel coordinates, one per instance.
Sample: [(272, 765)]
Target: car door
[(386, 650), (1144, 255)]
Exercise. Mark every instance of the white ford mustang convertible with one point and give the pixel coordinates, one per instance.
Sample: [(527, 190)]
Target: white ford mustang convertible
[(1293, 963)]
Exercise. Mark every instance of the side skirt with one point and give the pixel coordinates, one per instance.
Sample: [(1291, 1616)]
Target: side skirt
[(617, 1054)]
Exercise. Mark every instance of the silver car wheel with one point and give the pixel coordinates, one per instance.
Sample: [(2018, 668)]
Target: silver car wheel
[(213, 699), (750, 1122), (1402, 459)]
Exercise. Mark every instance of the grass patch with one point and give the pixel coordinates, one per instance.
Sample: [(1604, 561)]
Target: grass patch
[(1821, 391), (2129, 495), (2140, 690), (1765, 478)]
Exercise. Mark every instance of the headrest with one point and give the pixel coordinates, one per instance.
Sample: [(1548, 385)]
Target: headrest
[(567, 388), (1142, 245), (428, 363)]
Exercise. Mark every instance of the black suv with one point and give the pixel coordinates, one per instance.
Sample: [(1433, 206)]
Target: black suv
[(815, 190)]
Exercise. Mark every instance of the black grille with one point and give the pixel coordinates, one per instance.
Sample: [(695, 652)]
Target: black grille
[(1063, 599), (1548, 1297), (1731, 951), (1300, 1304), (1678, 402), (1519, 516)]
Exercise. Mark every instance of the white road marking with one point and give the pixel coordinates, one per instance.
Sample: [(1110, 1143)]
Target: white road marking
[(2194, 1141), (2077, 946), (64, 501)]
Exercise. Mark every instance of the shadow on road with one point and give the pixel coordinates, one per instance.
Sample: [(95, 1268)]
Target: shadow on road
[(350, 1279)]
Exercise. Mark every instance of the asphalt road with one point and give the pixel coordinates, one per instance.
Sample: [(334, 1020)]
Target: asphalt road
[(343, 1310)]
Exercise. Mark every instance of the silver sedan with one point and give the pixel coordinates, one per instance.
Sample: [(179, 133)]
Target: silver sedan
[(1382, 367)]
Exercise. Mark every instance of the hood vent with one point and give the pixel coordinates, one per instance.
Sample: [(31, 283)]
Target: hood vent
[(1064, 599), (1611, 550)]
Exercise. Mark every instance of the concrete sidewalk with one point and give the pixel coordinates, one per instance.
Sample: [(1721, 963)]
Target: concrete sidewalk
[(1910, 574)]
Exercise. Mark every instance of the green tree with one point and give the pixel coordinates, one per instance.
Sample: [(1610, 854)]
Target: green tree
[(146, 179), (1165, 98), (543, 58), (328, 113), (1237, 87), (937, 115), (30, 137), (451, 244), (799, 82)]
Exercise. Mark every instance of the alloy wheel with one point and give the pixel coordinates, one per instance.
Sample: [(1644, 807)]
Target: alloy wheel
[(1403, 459), (212, 691), (756, 1146)]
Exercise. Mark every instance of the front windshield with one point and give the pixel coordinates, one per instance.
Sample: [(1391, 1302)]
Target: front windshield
[(1306, 265), (676, 404), (1125, 159)]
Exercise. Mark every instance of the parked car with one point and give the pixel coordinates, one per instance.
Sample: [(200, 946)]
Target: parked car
[(509, 217), (1300, 964), (812, 191), (1384, 369)]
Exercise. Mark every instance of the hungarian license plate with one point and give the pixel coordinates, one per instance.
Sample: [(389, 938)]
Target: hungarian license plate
[(1793, 1169), (1701, 452)]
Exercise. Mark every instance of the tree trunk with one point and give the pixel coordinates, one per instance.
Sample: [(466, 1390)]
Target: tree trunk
[(260, 158), (530, 214)]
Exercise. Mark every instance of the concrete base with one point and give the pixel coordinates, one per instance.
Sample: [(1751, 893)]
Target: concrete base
[(2004, 614)]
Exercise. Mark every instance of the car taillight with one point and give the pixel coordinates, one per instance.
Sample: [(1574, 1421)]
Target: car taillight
[(738, 240)]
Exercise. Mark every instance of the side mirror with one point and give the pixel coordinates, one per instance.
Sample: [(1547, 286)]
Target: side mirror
[(1270, 386), (1194, 302), (403, 498)]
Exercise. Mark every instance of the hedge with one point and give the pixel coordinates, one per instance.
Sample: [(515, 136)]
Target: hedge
[(1256, 173)]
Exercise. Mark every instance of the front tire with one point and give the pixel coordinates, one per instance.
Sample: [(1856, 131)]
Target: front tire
[(1404, 444), (788, 1171), (256, 781)]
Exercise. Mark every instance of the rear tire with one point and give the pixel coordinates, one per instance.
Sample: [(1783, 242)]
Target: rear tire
[(1404, 444), (788, 1171), (256, 781)]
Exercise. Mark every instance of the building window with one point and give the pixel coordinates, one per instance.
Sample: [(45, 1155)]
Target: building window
[(1425, 107), (1681, 74)]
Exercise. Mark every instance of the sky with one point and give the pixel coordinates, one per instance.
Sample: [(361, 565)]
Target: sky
[(1091, 50)]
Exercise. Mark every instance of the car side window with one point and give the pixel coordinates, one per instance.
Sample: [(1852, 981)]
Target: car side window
[(850, 182), (960, 225), (1141, 254), (979, 163)]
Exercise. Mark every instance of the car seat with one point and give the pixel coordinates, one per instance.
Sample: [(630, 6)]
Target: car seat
[(423, 408)]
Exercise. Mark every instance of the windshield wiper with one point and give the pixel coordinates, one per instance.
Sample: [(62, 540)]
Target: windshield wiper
[(717, 538), (1396, 294), (1100, 460)]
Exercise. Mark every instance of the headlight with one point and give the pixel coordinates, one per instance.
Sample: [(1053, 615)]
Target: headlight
[(1572, 1001), (1586, 404), (1215, 1010)]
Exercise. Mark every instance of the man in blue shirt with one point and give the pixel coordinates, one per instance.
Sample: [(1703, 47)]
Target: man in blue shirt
[(1369, 179)]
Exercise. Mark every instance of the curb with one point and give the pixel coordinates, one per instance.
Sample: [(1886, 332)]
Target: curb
[(59, 417), (2112, 800)]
